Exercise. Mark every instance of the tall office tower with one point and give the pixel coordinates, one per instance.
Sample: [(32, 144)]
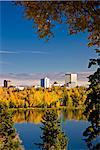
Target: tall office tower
[(71, 80), (6, 83), (45, 82)]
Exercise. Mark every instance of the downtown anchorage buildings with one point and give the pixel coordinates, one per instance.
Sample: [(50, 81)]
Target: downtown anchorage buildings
[(69, 80), (45, 82)]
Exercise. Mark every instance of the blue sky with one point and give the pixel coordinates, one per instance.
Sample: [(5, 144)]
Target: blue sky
[(22, 52)]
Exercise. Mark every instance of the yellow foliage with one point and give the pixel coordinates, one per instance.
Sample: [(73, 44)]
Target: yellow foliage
[(31, 97)]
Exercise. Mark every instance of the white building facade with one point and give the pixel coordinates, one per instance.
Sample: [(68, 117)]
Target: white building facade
[(45, 82), (71, 80)]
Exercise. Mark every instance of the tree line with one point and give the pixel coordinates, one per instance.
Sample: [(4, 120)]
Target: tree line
[(44, 98)]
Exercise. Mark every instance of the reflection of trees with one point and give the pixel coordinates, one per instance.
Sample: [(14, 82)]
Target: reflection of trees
[(73, 114), (36, 115), (9, 140), (53, 138)]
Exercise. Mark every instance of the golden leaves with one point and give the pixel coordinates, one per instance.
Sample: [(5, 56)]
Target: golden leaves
[(79, 15)]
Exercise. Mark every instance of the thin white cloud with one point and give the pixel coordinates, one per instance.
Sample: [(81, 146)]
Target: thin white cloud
[(34, 52), (23, 52), (8, 52)]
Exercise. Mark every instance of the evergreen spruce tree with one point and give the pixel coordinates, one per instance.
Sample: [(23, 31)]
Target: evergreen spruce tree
[(9, 140), (53, 138)]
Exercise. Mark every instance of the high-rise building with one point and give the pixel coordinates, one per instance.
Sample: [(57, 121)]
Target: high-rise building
[(71, 80), (45, 82), (6, 83)]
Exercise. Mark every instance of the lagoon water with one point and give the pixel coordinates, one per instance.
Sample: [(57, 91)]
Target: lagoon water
[(30, 133), (73, 124)]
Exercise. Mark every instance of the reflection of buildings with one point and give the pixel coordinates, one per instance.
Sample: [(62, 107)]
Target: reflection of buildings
[(71, 80), (45, 82), (7, 83)]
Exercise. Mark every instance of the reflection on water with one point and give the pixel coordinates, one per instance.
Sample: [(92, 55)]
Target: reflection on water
[(35, 116), (30, 124)]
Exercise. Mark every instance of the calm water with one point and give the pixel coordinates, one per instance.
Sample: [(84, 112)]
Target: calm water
[(73, 123), (30, 134)]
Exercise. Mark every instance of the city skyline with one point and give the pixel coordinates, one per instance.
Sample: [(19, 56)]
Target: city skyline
[(34, 78), (22, 52)]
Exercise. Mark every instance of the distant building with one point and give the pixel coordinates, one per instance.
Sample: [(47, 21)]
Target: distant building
[(71, 80), (37, 86), (20, 88), (6, 83), (56, 84), (45, 82)]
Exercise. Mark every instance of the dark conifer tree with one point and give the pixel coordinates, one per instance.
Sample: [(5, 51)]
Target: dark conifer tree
[(53, 138), (9, 140)]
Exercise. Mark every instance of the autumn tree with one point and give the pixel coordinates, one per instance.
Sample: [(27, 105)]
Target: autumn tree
[(93, 111), (78, 15), (93, 107)]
